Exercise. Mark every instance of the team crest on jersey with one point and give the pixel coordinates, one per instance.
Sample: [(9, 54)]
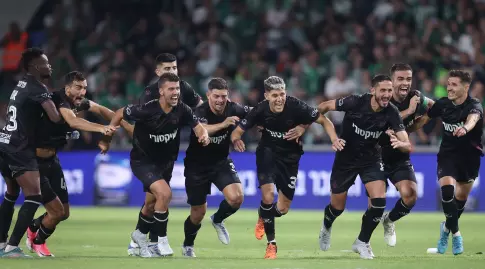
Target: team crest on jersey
[(314, 112), (128, 109)]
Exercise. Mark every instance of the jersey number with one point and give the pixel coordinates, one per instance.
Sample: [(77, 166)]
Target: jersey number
[(292, 183), (12, 125), (63, 184)]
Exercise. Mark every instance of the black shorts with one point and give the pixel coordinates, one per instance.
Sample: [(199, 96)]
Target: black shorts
[(279, 170), (198, 179), (20, 162), (463, 168), (400, 171), (343, 175), (4, 169), (52, 181), (148, 171)]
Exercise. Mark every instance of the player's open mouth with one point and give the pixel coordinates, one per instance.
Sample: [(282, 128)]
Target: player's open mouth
[(174, 98), (403, 90)]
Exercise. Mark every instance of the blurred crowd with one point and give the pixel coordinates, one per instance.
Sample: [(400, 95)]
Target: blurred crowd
[(323, 49)]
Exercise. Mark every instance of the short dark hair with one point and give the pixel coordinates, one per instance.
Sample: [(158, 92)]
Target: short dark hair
[(165, 58), (464, 76), (379, 78), (70, 77), (29, 55), (400, 67), (218, 84), (171, 77)]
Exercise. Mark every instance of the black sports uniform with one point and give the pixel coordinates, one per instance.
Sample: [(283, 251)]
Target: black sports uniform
[(277, 159), (397, 164), (54, 136), (187, 94), (156, 139), (210, 164), (459, 157), (362, 127), (17, 138)]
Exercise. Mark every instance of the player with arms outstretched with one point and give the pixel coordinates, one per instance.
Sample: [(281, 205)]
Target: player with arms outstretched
[(459, 155), (156, 142), (367, 117), (279, 151)]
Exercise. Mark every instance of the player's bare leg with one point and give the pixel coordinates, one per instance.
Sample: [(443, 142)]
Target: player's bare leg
[(332, 211), (163, 195), (36, 238), (233, 198), (191, 227), (371, 218), (29, 182), (408, 191), (7, 209)]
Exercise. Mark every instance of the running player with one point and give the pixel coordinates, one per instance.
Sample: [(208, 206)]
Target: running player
[(28, 101), (156, 141), (459, 155), (367, 117), (397, 164), (211, 164), (278, 154)]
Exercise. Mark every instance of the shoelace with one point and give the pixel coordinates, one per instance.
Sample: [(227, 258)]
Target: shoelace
[(325, 235), (389, 228), (189, 251), (456, 243)]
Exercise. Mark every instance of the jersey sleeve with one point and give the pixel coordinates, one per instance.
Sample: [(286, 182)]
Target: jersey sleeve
[(189, 96), (148, 94), (347, 103), (39, 94), (253, 117), (395, 120), (134, 113), (188, 116), (200, 113), (306, 113), (240, 111), (476, 108), (437, 109)]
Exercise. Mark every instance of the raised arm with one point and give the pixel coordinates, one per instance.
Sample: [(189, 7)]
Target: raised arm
[(51, 111), (108, 114), (82, 124)]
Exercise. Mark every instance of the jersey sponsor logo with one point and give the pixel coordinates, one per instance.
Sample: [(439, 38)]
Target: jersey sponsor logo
[(5, 138), (246, 109), (22, 84), (218, 139), (14, 94), (366, 134), (452, 127), (164, 138), (275, 134)]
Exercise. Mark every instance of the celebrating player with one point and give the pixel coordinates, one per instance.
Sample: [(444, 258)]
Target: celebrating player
[(29, 100), (278, 154), (397, 164), (50, 138), (166, 63), (206, 165), (459, 155), (367, 117), (156, 141)]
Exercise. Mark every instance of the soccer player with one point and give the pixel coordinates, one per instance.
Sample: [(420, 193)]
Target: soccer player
[(156, 141), (165, 63), (459, 155), (367, 117), (397, 164), (28, 101), (206, 165), (50, 138), (278, 154)]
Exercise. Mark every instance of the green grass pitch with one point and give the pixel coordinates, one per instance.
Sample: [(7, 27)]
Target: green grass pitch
[(98, 238)]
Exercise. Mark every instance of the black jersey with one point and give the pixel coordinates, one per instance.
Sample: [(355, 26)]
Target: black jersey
[(24, 113), (187, 94), (218, 149), (276, 125), (157, 134), (52, 135), (362, 127), (389, 154), (453, 117)]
